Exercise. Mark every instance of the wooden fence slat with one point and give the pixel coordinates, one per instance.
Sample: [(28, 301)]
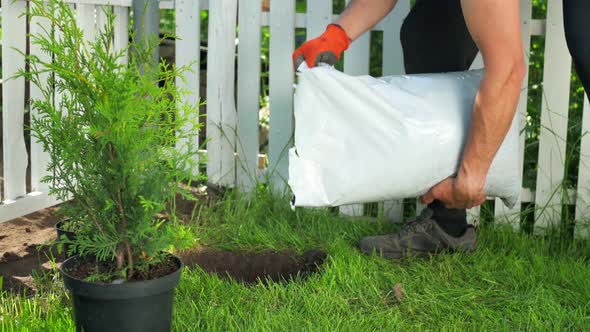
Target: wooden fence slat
[(352, 210), (356, 62), (58, 95), (319, 15), (538, 27), (282, 45), (356, 58), (473, 215), (101, 17), (582, 228), (188, 30), (393, 57), (28, 204), (419, 206), (221, 109), (123, 3), (501, 212), (248, 94), (477, 62), (39, 158), (554, 114), (300, 19), (13, 99), (121, 41), (393, 210), (85, 18), (393, 64), (169, 4)]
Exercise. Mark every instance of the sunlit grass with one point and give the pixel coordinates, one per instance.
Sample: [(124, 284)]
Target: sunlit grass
[(513, 281)]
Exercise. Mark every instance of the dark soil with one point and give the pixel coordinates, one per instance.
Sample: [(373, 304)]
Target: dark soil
[(249, 267), (24, 252), (22, 240), (246, 267), (85, 268)]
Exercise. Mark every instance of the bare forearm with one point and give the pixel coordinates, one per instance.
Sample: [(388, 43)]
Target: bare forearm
[(490, 121), (496, 29), (362, 15)]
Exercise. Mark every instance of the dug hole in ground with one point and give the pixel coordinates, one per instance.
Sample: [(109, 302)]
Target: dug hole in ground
[(25, 251)]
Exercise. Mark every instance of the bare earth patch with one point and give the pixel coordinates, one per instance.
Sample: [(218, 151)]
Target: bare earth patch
[(22, 250)]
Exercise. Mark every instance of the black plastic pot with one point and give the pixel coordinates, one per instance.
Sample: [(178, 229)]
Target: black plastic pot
[(69, 235), (132, 306)]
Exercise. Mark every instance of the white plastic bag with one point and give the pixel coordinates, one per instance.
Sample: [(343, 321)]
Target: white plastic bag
[(361, 139)]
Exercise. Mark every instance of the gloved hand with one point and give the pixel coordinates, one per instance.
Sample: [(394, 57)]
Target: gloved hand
[(326, 48)]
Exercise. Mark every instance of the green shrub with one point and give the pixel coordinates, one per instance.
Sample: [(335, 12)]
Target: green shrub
[(112, 136)]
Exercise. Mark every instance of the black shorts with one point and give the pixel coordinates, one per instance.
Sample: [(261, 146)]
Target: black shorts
[(576, 19), (435, 38)]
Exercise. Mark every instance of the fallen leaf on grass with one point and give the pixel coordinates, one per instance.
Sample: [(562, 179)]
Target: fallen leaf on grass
[(398, 291)]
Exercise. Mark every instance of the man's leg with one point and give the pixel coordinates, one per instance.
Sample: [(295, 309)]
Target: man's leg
[(576, 18), (435, 39)]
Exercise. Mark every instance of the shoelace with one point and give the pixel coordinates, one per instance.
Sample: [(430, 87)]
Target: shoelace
[(418, 222)]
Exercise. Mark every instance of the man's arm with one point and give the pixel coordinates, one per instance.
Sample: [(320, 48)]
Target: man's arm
[(495, 28), (361, 15)]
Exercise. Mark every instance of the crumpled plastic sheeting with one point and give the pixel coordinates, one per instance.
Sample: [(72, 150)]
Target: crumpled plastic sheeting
[(362, 139)]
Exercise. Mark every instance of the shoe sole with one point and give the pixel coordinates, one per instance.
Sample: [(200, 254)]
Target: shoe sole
[(415, 254)]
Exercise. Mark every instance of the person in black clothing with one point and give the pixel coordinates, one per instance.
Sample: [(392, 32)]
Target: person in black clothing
[(576, 20), (445, 36)]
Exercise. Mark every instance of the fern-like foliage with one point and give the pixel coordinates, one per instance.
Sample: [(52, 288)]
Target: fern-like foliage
[(119, 138)]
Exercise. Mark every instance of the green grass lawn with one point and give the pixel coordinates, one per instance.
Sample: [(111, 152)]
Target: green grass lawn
[(513, 281)]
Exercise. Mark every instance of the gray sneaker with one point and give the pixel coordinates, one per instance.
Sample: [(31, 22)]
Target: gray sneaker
[(420, 236)]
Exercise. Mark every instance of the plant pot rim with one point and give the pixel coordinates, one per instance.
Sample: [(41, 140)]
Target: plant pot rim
[(61, 223), (125, 290)]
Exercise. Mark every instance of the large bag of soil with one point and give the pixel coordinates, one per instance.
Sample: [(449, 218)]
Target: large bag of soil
[(363, 139)]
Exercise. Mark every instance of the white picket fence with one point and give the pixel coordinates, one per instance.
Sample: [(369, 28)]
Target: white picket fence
[(232, 122)]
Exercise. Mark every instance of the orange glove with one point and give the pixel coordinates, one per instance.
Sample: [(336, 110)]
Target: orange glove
[(326, 48)]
